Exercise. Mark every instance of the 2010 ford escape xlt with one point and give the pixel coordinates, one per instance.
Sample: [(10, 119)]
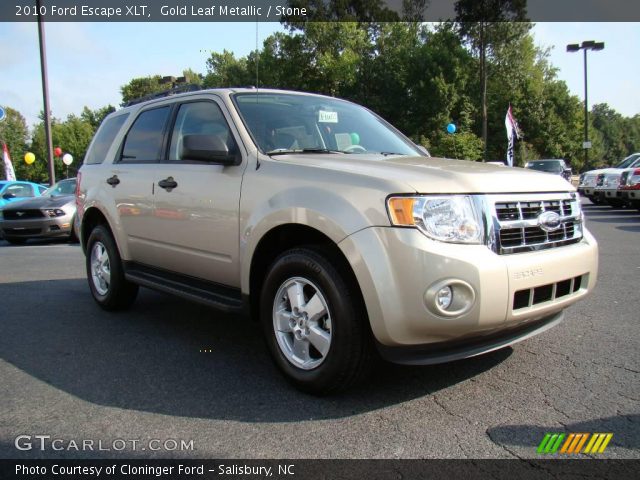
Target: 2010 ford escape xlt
[(329, 227)]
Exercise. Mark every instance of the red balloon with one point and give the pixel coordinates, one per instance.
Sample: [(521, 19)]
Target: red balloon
[(57, 151)]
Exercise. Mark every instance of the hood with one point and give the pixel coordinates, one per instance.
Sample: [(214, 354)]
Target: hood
[(603, 170), (41, 202), (436, 175)]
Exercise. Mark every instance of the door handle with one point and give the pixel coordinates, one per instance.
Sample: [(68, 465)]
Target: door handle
[(168, 184), (113, 181)]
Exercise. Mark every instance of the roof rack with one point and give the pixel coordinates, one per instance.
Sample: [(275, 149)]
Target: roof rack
[(192, 87)]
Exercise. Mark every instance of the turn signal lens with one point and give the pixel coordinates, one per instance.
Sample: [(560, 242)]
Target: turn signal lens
[(401, 211)]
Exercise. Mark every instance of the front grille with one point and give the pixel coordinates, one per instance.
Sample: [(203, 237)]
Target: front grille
[(22, 214), (531, 297), (530, 210), (22, 231), (518, 227)]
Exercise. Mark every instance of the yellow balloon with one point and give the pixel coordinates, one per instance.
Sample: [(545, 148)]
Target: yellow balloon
[(29, 158)]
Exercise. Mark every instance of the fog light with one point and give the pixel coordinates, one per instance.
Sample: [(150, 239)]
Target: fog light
[(450, 297), (444, 297)]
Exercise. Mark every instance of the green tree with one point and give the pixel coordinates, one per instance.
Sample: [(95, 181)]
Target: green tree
[(140, 87), (488, 26), (72, 135), (95, 117), (13, 132)]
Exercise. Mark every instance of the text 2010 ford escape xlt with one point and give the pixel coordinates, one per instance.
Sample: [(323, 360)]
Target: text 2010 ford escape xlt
[(329, 227)]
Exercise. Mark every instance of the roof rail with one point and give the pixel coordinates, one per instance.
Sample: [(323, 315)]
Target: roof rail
[(192, 87)]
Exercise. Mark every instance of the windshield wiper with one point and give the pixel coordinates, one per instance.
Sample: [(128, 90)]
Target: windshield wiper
[(386, 154), (287, 151)]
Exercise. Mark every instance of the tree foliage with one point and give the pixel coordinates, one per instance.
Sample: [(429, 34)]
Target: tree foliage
[(13, 132), (419, 78)]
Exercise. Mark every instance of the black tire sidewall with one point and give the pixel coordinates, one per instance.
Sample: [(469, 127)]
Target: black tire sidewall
[(346, 327), (117, 295)]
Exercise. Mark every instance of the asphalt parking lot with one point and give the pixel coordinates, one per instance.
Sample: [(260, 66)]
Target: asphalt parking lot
[(171, 370)]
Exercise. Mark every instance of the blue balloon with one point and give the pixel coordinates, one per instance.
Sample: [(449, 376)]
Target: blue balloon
[(451, 128)]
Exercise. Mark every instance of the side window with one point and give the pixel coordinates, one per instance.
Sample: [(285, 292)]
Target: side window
[(41, 189), (144, 139), (104, 138), (201, 119), (20, 190)]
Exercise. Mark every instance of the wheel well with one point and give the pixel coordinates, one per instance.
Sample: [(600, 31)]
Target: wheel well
[(91, 219), (286, 237)]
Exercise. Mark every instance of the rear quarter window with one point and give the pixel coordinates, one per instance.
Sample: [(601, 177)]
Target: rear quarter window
[(104, 138)]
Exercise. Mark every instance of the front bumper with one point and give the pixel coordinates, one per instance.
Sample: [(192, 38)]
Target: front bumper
[(45, 227), (395, 267)]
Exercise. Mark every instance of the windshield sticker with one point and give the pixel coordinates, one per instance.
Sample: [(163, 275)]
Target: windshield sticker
[(327, 117)]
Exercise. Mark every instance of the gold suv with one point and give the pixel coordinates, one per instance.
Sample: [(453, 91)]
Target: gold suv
[(330, 228)]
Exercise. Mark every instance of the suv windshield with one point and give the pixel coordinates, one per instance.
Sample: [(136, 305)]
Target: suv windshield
[(554, 166), (285, 123), (63, 187)]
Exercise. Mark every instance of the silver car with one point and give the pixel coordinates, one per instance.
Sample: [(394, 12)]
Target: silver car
[(50, 216)]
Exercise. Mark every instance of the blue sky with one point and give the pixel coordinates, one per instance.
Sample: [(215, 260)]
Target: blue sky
[(88, 62)]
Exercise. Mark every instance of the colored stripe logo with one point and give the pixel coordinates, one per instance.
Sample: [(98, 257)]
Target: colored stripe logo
[(574, 443)]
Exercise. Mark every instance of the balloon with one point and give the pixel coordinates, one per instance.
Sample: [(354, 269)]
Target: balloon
[(67, 159), (451, 128), (29, 158), (355, 139), (57, 151)]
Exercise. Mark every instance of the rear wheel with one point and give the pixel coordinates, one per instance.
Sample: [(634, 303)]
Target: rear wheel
[(314, 322), (105, 272)]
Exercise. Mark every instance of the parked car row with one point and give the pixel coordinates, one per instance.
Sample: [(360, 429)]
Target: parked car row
[(50, 214), (616, 186), (556, 166)]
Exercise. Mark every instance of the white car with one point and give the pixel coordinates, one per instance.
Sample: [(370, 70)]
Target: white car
[(609, 191), (594, 178)]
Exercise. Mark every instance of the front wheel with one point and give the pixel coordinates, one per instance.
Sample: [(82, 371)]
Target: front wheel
[(105, 272), (314, 322)]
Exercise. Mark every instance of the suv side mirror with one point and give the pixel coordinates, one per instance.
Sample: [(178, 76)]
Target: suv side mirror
[(207, 148)]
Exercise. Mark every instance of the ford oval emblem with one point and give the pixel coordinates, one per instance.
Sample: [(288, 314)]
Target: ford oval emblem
[(549, 221)]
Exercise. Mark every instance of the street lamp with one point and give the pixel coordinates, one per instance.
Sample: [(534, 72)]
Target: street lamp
[(574, 47)]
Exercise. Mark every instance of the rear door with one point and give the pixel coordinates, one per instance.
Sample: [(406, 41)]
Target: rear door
[(131, 177), (195, 224)]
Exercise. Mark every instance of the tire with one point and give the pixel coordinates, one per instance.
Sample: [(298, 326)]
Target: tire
[(73, 236), (16, 240), (105, 272), (320, 353)]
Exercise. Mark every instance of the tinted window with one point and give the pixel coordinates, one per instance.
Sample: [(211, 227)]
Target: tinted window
[(144, 140), (41, 189), (104, 138), (20, 190), (199, 118)]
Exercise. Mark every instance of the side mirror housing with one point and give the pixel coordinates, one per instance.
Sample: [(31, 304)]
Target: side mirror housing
[(208, 148)]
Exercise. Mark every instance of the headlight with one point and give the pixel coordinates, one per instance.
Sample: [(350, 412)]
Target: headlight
[(450, 218), (54, 212)]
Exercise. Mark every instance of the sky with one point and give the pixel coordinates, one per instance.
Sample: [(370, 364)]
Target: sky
[(89, 62)]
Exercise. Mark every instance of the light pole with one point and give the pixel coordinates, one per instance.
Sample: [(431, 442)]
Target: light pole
[(574, 47)]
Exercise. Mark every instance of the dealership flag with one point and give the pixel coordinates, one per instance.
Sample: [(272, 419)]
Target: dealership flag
[(9, 173), (512, 134)]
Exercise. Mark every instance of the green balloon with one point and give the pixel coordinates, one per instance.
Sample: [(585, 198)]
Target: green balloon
[(355, 139)]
